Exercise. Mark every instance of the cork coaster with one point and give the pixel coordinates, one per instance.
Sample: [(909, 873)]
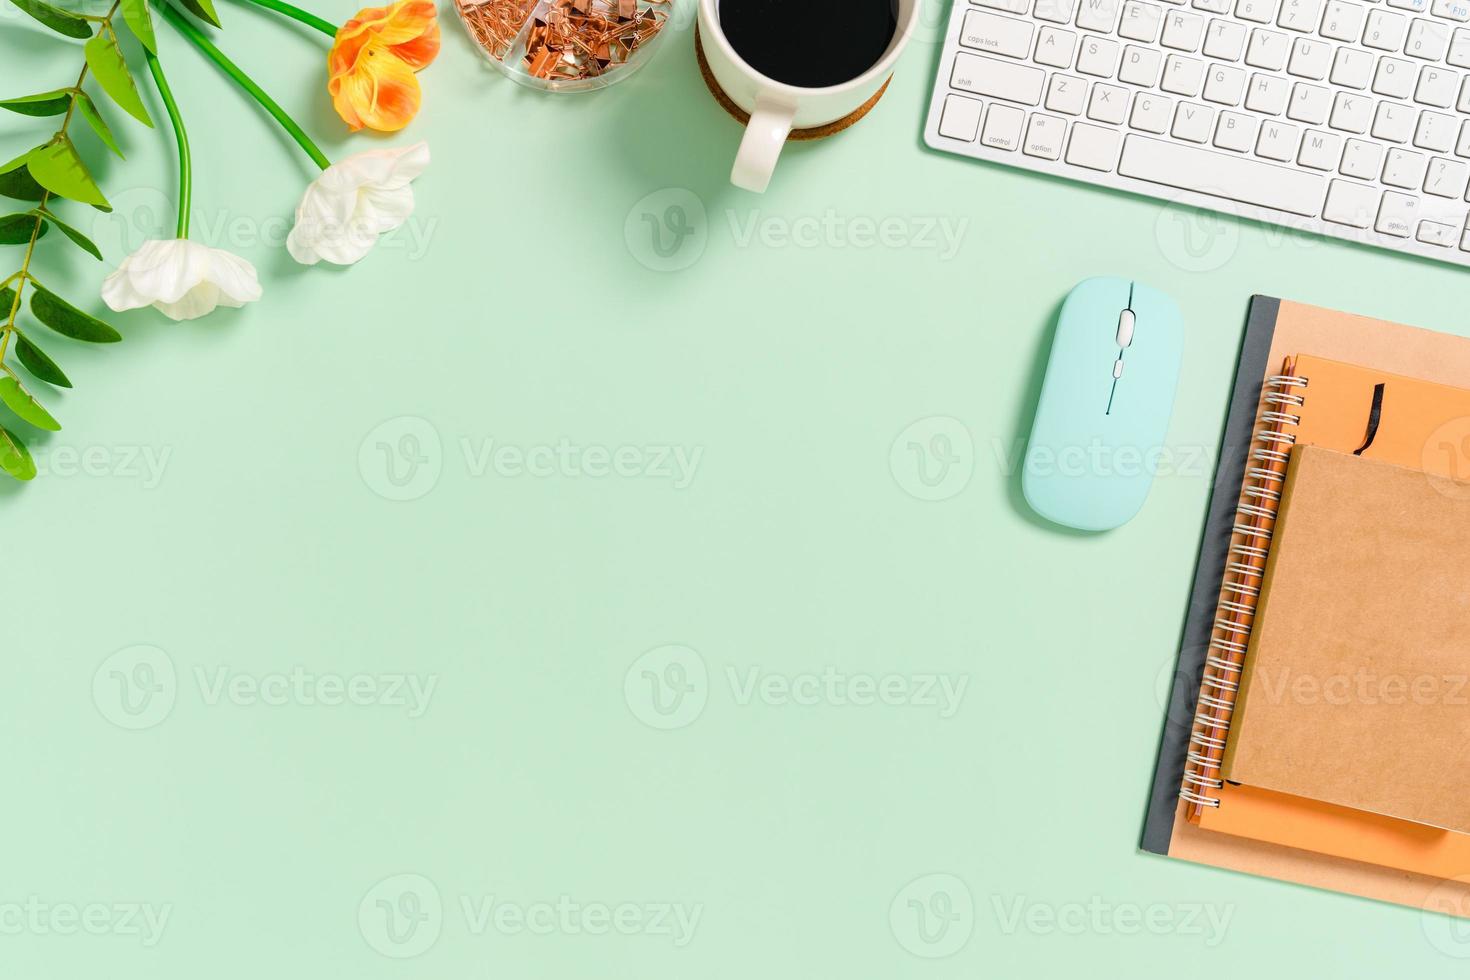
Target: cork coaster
[(743, 117)]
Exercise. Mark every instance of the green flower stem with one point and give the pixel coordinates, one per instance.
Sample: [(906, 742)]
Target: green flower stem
[(297, 14), (196, 37), (180, 137)]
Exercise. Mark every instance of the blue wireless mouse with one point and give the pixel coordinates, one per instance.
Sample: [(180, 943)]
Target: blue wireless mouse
[(1098, 436)]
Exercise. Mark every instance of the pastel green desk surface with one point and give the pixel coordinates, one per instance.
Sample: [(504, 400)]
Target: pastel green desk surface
[(822, 804)]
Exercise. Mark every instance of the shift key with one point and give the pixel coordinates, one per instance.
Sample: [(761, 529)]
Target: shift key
[(997, 79)]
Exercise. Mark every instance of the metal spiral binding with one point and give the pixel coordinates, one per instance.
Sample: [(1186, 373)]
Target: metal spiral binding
[(1249, 548)]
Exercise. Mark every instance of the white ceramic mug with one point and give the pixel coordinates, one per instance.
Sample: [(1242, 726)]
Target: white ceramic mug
[(777, 108)]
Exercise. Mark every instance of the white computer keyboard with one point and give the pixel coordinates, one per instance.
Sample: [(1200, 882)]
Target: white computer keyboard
[(1346, 118)]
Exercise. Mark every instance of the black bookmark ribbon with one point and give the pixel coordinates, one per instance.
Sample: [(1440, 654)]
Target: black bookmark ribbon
[(1375, 416)]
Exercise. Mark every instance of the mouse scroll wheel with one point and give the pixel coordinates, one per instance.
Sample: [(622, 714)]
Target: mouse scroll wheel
[(1125, 328)]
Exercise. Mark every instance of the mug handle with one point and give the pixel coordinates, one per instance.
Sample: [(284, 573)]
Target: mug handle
[(760, 148)]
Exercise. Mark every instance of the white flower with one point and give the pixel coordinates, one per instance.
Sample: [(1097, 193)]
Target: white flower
[(182, 279), (354, 201)]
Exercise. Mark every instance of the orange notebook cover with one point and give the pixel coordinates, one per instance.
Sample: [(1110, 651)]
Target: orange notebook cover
[(1424, 432), (1354, 689)]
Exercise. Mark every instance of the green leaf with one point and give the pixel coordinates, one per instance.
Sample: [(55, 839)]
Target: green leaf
[(78, 239), (67, 320), (16, 229), (43, 104), (57, 168), (55, 18), (25, 406), (16, 180), (15, 458), (36, 362), (135, 13), (203, 9), (98, 124), (105, 59), (7, 300)]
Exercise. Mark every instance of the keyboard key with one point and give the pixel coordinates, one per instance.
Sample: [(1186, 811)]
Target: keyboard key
[(1398, 215), (961, 119), (1351, 113), (1003, 127), (1141, 21), (1437, 87), (1352, 68), (1394, 122), (1464, 103), (1320, 150), (1404, 168), (1343, 21), (1108, 104), (1182, 76), (1452, 9), (1212, 6), (1066, 93), (1309, 104), (1278, 141), (995, 34), (997, 79), (1310, 58), (1459, 55), (1192, 122), (1009, 6), (1225, 85), (1098, 15), (1236, 131), (1268, 94), (1362, 159), (1151, 113), (1394, 78), (1412, 6), (1446, 178), (1462, 148), (1268, 50), (1350, 204), (1140, 66), (1300, 15), (1055, 47), (1385, 30), (1093, 147), (1225, 39), (1435, 131), (1044, 136), (1235, 178), (1054, 11), (1260, 11), (1183, 31), (1434, 233), (1099, 57), (1428, 39)]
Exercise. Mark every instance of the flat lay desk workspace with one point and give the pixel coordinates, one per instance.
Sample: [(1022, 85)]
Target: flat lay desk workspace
[(637, 557)]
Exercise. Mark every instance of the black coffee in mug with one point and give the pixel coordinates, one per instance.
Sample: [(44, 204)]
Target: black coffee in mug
[(810, 43)]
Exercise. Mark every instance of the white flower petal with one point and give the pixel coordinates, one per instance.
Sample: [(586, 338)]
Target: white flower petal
[(354, 201), (180, 278)]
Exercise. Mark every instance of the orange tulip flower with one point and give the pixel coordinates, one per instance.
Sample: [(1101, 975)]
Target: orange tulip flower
[(372, 63)]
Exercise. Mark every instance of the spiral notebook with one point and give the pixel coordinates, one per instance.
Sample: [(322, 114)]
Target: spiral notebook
[(1346, 389)]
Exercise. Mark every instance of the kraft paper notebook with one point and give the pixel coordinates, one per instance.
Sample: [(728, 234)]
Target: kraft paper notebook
[(1262, 831), (1354, 688)]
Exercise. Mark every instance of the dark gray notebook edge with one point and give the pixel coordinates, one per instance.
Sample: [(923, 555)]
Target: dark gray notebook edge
[(1209, 572)]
